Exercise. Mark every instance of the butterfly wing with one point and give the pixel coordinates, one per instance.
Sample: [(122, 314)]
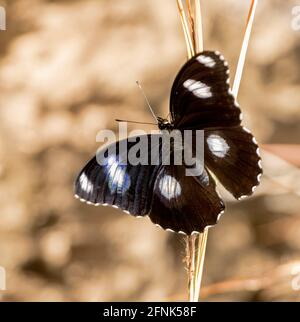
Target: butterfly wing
[(184, 203), (163, 192), (118, 183), (232, 154), (201, 96), (201, 99)]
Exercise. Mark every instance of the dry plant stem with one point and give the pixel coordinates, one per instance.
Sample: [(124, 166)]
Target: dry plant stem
[(202, 238), (270, 278), (187, 35), (195, 258), (192, 22), (243, 54), (191, 243), (188, 265), (202, 242), (189, 255), (195, 275), (198, 27)]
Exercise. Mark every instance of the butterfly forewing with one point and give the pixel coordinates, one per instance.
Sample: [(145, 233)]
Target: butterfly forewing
[(118, 183), (201, 97)]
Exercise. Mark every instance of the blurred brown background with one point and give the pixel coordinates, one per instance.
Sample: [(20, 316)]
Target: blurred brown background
[(67, 70)]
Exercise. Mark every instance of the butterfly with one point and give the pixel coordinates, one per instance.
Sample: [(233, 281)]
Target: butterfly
[(201, 99)]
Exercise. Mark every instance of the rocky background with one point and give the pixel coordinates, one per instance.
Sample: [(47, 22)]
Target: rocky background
[(67, 70)]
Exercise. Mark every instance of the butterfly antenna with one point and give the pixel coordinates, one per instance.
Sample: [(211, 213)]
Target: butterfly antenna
[(147, 101)]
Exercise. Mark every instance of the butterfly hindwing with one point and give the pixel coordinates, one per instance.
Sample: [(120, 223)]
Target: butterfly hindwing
[(232, 154), (184, 203)]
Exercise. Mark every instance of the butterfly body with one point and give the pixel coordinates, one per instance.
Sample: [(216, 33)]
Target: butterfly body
[(201, 99), (164, 124)]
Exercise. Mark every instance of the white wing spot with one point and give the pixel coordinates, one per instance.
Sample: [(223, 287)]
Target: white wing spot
[(198, 88), (206, 61), (118, 178), (246, 130), (169, 187), (85, 183), (217, 145)]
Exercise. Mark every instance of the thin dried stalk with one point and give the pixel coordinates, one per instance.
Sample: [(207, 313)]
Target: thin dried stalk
[(187, 35), (202, 242), (202, 238), (243, 53), (198, 27), (279, 275), (190, 241), (196, 262), (188, 265), (195, 257), (192, 253), (191, 22)]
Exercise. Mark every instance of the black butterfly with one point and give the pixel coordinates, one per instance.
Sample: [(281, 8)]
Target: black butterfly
[(201, 99)]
